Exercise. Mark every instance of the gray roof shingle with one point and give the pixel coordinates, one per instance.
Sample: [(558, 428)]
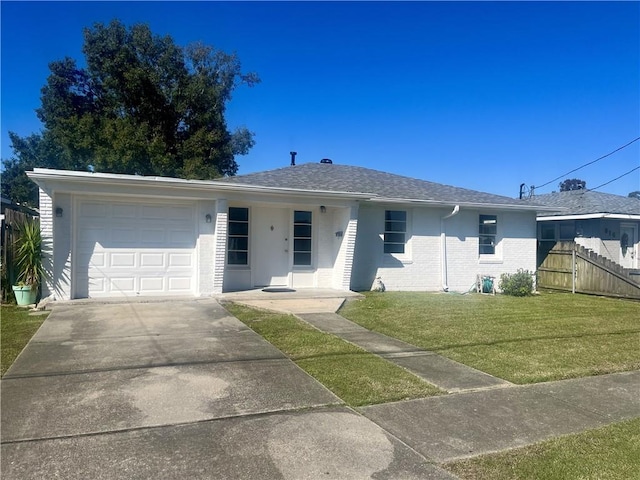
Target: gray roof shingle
[(347, 178), (585, 202)]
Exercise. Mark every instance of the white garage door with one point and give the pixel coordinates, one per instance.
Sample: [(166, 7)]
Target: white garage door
[(134, 249)]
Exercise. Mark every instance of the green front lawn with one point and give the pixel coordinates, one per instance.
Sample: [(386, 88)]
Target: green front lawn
[(611, 452), (357, 377), (16, 329), (551, 336)]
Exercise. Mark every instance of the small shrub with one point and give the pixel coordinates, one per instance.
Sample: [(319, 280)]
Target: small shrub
[(518, 284)]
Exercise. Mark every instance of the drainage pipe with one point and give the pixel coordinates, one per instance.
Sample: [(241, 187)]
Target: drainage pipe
[(443, 247)]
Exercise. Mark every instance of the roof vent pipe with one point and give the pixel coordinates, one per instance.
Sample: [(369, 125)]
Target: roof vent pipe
[(443, 247), (326, 160), (293, 158)]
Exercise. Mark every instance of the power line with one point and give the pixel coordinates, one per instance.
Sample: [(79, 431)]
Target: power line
[(589, 163), (617, 178)]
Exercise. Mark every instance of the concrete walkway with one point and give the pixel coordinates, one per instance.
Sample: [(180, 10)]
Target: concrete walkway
[(319, 311), (435, 369), (175, 390), (482, 414)]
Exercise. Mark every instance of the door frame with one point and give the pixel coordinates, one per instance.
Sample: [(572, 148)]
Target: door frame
[(633, 244)]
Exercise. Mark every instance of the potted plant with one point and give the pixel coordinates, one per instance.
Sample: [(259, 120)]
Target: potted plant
[(28, 262)]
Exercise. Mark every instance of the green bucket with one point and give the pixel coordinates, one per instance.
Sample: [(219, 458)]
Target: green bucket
[(25, 295)]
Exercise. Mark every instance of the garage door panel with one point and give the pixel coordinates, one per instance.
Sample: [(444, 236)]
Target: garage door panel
[(180, 260), (155, 212), (97, 285), (153, 236), (123, 236), (124, 211), (152, 284), (97, 259), (180, 284), (127, 260), (91, 235), (123, 285), (181, 238), (92, 209), (152, 259), (129, 248)]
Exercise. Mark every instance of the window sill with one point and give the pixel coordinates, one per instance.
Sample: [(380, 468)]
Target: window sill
[(490, 260), (390, 259)]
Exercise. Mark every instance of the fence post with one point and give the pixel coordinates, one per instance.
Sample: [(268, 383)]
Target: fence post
[(573, 270)]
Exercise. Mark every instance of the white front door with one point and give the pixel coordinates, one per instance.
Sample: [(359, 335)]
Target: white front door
[(628, 245), (270, 237)]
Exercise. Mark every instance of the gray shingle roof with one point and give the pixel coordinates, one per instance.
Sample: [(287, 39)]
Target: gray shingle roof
[(585, 202), (347, 178)]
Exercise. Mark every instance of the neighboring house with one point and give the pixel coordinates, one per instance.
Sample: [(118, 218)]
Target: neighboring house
[(317, 225), (604, 223)]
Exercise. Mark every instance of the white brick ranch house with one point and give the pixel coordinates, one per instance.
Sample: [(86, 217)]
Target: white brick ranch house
[(315, 225)]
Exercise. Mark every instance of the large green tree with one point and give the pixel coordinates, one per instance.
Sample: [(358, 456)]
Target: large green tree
[(140, 105), (572, 184), (37, 150)]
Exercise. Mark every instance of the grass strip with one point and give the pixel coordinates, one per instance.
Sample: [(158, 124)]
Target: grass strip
[(552, 336), (356, 376), (16, 329), (611, 453)]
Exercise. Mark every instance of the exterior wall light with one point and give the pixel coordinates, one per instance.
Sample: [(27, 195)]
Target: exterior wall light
[(323, 209), (207, 218), (58, 211), (339, 233)]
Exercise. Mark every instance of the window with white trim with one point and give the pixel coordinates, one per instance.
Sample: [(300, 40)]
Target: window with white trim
[(302, 240), (238, 236), (487, 234), (395, 231)]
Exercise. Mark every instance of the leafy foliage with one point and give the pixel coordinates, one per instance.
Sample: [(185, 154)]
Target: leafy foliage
[(572, 184), (37, 150), (518, 284), (28, 256), (142, 105)]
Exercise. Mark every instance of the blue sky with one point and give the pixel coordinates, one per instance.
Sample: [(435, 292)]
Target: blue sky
[(482, 95)]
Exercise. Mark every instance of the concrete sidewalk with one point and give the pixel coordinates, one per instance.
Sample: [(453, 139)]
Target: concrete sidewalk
[(464, 425), (483, 414)]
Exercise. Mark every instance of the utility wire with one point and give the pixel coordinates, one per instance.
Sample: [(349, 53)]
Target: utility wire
[(617, 178), (589, 163)]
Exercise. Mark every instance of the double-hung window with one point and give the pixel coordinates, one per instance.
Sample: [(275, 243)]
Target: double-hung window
[(238, 236), (487, 234), (302, 239), (395, 231)]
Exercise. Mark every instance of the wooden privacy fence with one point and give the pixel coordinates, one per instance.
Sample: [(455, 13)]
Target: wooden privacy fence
[(571, 267), (12, 220)]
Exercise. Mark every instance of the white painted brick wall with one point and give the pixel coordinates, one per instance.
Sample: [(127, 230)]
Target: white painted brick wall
[(206, 247), (220, 250), (46, 229), (326, 245), (421, 267), (57, 239), (343, 266)]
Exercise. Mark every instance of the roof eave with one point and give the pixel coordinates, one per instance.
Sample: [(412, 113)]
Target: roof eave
[(589, 216), (43, 175), (442, 203)]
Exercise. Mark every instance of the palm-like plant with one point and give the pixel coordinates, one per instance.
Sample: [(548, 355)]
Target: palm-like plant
[(28, 254)]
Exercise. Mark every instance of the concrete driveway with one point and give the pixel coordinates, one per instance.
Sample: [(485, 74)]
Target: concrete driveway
[(179, 389)]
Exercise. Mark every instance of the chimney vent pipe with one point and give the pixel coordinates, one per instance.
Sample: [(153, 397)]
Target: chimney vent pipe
[(293, 158)]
